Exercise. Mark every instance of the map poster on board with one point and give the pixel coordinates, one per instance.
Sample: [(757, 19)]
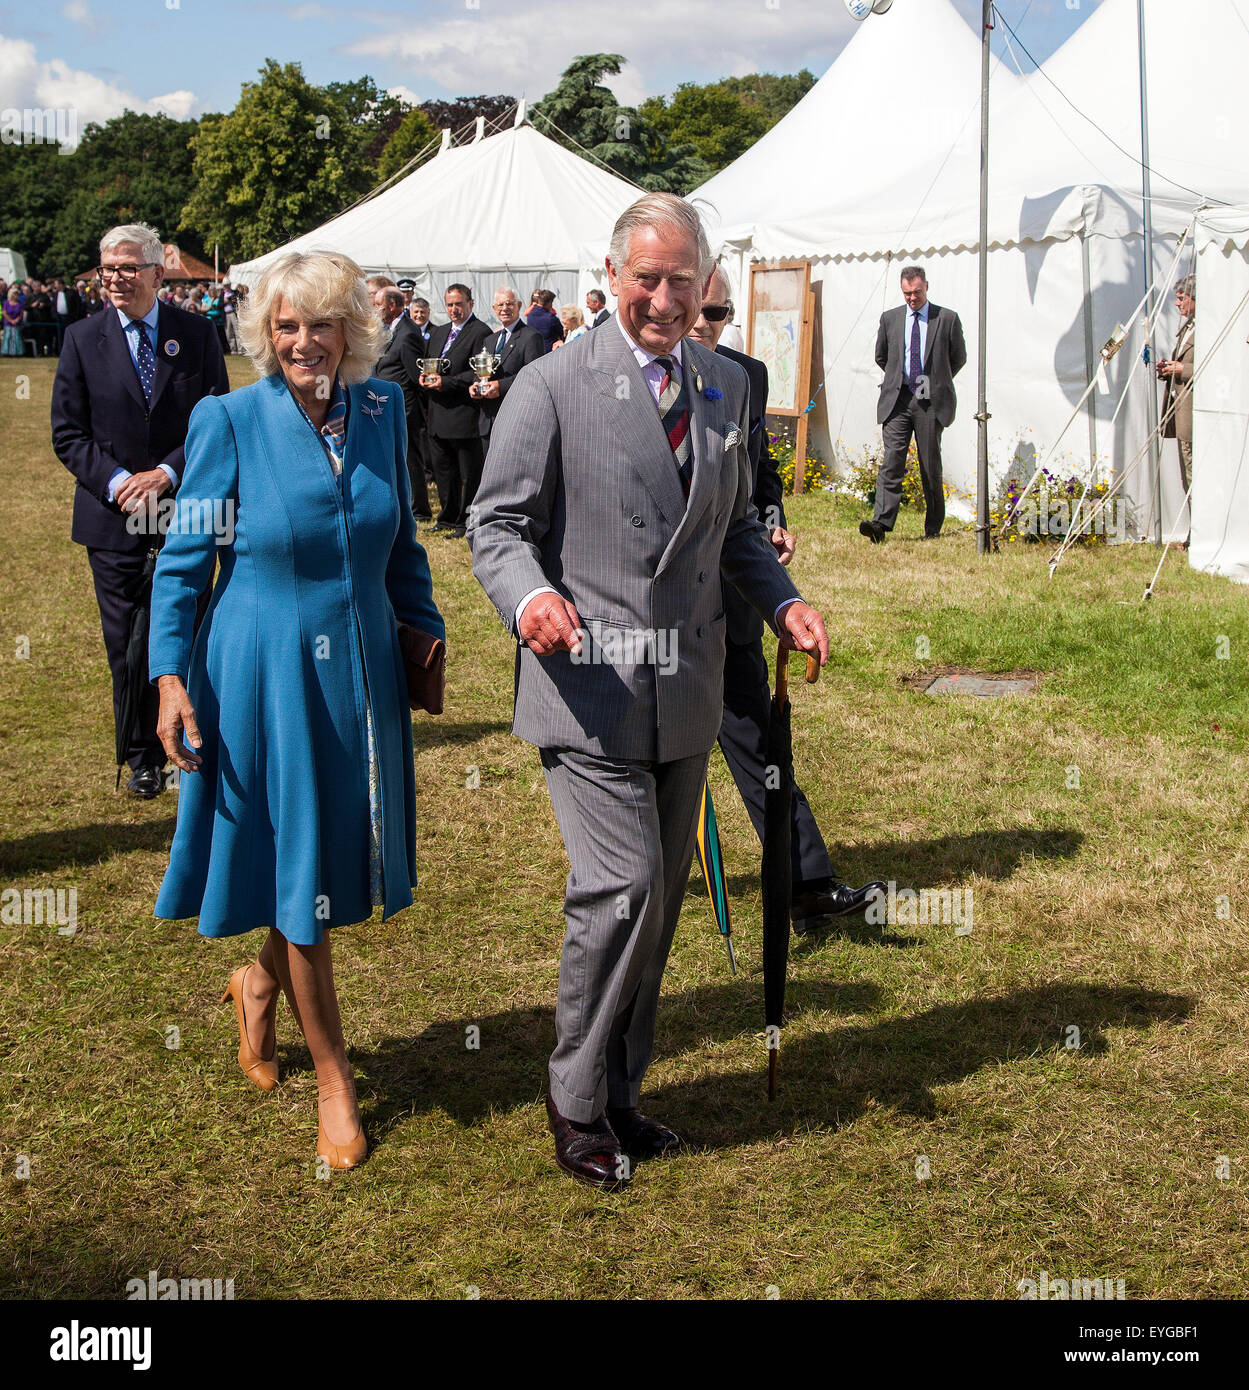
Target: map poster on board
[(778, 313)]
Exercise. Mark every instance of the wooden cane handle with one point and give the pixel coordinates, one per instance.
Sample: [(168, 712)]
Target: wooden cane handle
[(813, 669)]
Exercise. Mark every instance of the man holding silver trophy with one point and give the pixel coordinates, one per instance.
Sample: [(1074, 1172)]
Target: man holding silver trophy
[(454, 442), (505, 353)]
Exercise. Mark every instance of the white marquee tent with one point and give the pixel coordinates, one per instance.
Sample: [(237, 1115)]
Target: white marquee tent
[(513, 208), (1220, 502), (1066, 243)]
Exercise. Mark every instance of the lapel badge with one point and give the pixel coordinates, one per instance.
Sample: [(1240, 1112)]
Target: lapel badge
[(172, 347), (373, 406), (698, 382)]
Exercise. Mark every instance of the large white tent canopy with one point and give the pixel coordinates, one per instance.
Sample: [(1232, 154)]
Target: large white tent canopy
[(514, 208), (871, 171)]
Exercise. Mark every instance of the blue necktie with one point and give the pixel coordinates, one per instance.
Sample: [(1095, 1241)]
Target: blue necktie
[(916, 366), (146, 361)]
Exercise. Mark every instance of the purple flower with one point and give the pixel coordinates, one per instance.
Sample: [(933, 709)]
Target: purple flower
[(712, 394)]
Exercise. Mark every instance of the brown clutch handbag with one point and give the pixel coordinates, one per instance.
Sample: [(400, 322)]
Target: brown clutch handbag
[(425, 665)]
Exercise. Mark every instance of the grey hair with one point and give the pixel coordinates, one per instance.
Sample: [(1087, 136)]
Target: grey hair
[(507, 290), (1187, 285), (319, 284), (659, 210), (151, 248), (913, 272)]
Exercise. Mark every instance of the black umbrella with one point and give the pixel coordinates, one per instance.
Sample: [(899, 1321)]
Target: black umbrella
[(777, 870), (135, 687)]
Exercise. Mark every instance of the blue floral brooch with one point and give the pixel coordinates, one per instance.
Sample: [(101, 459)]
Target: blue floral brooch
[(713, 395)]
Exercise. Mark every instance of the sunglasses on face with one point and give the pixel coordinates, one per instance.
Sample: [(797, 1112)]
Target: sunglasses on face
[(715, 313)]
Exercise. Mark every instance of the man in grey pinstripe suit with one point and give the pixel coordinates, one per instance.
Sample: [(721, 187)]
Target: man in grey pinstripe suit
[(616, 492)]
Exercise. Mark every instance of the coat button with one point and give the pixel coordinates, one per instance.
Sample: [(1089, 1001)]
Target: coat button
[(701, 631), (702, 576), (636, 520)]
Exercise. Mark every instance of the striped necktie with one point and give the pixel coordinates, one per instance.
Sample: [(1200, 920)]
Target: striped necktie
[(674, 411)]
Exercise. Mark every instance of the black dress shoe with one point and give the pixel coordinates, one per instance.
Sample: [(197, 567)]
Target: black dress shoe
[(810, 909), (146, 782), (873, 530), (590, 1153), (640, 1137)]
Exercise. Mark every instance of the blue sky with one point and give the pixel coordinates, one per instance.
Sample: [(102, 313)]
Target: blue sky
[(191, 56)]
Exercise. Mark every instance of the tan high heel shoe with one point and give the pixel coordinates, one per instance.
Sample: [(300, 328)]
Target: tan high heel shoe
[(341, 1155), (263, 1073)]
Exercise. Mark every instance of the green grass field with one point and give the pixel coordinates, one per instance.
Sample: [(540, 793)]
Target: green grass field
[(1116, 907)]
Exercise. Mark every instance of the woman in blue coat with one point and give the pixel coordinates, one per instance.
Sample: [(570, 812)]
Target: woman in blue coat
[(297, 810)]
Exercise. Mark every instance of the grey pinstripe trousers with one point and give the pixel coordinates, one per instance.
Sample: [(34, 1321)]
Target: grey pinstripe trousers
[(629, 829)]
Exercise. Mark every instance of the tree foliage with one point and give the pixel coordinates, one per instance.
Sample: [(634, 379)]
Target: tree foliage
[(584, 115), (133, 168), (415, 133), (452, 115), (284, 160), (721, 120)]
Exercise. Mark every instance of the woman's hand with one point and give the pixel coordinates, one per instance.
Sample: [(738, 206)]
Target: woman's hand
[(177, 715)]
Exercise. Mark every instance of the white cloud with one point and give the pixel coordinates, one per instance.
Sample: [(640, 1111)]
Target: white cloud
[(79, 12), (525, 50), (404, 94), (27, 82)]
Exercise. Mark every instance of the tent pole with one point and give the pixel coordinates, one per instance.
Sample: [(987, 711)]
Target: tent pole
[(1151, 392), (983, 544), (1090, 353)]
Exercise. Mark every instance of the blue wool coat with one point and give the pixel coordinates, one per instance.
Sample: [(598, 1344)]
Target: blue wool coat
[(273, 828)]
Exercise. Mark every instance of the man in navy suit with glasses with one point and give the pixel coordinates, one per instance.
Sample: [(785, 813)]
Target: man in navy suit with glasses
[(126, 384)]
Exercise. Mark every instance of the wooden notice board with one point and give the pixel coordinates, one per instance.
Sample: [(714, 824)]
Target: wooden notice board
[(779, 327)]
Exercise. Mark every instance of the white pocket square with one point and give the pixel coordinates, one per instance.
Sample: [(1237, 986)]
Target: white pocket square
[(733, 437)]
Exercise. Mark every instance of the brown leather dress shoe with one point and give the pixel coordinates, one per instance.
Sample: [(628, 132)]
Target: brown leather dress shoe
[(590, 1153), (640, 1137)]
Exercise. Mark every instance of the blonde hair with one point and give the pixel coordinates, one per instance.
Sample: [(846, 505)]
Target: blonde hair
[(572, 316), (320, 285)]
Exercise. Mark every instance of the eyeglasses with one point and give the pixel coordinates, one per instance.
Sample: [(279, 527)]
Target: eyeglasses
[(714, 313), (125, 272)]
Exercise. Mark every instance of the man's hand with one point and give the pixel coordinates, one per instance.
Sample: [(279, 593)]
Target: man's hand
[(802, 630), (177, 716), (484, 390), (785, 543), (549, 624), (431, 383), (132, 492)]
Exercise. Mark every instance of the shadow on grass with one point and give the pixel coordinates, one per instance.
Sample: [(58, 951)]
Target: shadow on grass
[(828, 1078), (431, 734), (83, 844), (994, 854)]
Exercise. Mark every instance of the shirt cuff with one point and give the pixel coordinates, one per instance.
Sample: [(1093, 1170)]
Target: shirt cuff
[(776, 617), (170, 474), (524, 603), (119, 476)]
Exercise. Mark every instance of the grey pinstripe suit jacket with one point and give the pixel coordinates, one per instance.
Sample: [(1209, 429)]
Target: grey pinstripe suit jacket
[(581, 492)]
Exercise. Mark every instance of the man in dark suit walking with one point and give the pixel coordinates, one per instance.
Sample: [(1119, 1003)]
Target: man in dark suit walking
[(596, 308), (391, 367), (454, 442), (517, 345), (920, 349), (816, 894), (125, 387)]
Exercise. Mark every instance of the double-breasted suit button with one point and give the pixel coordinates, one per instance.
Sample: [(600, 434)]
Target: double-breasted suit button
[(700, 631), (702, 576), (636, 520)]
